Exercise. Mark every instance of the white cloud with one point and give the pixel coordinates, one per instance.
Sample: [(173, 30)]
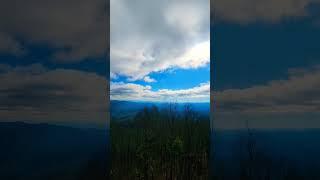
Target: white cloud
[(196, 56), (113, 75), (136, 92), (153, 36), (148, 79)]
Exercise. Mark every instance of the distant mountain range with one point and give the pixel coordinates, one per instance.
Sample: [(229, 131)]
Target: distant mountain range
[(125, 109), (44, 151)]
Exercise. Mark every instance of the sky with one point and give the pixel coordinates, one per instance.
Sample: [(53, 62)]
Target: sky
[(264, 56), (266, 67), (54, 65), (158, 52)]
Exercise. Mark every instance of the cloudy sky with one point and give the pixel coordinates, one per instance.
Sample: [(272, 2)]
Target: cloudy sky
[(265, 58), (266, 63), (53, 66), (159, 52)]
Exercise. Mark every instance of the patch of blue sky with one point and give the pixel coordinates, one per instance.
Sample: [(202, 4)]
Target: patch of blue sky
[(176, 79), (173, 79)]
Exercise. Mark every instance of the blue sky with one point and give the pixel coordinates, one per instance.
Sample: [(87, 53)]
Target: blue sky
[(164, 56), (175, 79)]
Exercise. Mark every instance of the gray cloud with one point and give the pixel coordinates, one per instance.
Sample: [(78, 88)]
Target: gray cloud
[(34, 93), (78, 28), (248, 11), (299, 93), (9, 45)]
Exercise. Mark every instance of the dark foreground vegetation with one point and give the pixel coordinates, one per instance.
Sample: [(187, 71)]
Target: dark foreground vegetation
[(166, 143), (266, 155)]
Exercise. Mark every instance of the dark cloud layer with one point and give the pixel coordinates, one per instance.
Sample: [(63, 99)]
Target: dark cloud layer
[(76, 28), (300, 92), (57, 96), (250, 11)]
